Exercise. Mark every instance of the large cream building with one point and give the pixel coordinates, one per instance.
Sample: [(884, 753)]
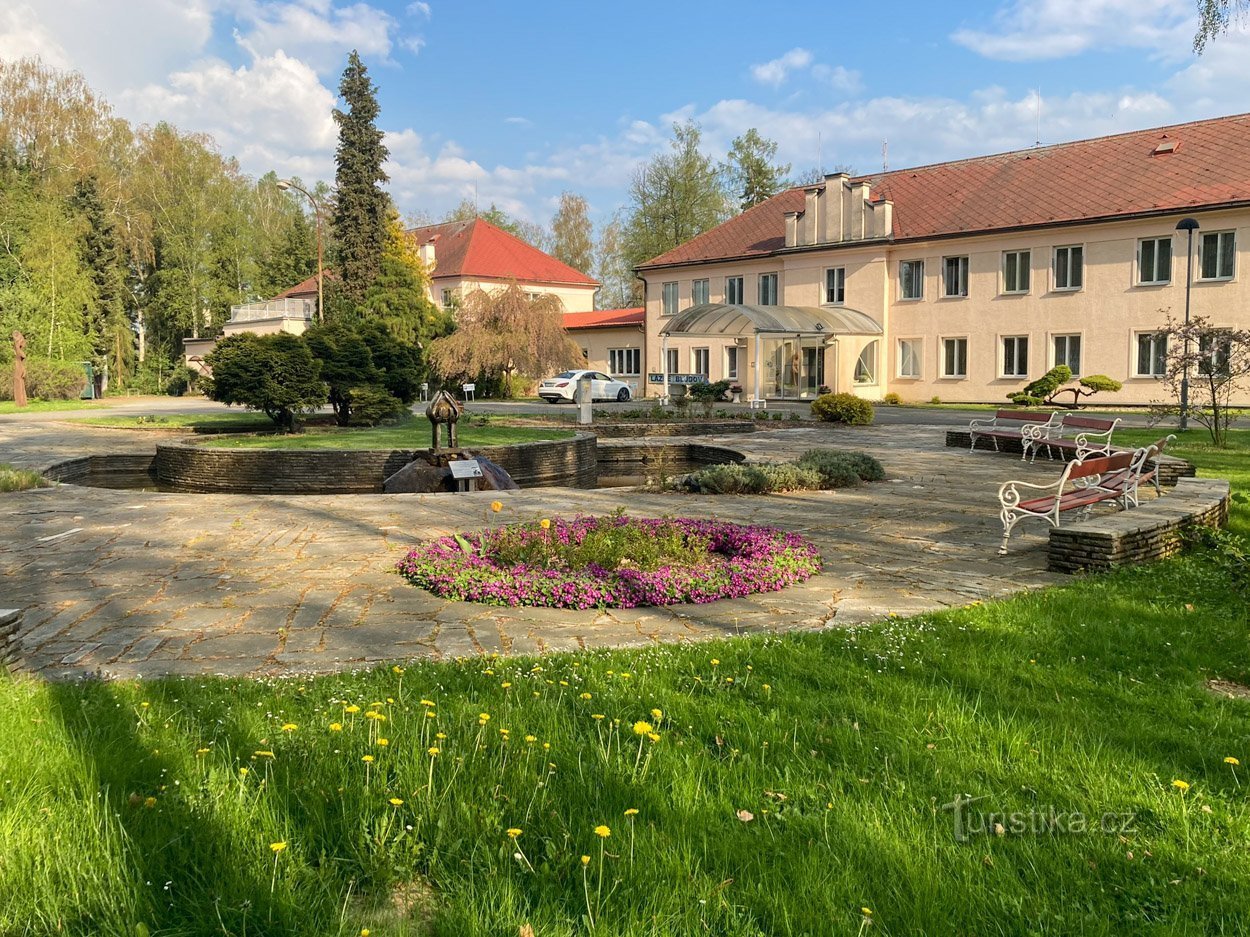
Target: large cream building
[(965, 280)]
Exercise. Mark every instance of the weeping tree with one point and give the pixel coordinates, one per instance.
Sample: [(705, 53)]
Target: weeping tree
[(504, 333)]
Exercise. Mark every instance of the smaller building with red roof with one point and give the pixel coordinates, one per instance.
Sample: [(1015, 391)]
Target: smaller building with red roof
[(614, 341)]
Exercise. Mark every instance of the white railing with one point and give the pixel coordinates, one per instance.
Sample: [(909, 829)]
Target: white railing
[(274, 309)]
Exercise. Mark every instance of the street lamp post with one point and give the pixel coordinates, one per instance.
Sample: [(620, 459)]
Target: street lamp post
[(1189, 226), (285, 184)]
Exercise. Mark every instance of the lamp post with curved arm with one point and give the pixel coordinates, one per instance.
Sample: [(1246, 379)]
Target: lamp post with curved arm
[(285, 184), (1189, 226)]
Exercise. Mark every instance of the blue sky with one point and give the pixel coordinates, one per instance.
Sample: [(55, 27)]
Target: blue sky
[(516, 102)]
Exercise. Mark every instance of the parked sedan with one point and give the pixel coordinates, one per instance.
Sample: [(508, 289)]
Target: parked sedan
[(564, 385)]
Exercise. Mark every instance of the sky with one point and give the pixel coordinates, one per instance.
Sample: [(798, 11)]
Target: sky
[(512, 103)]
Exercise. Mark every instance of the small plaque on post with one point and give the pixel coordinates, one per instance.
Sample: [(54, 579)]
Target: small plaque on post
[(464, 468)]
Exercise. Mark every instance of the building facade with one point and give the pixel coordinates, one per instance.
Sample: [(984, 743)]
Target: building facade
[(964, 281), (613, 341)]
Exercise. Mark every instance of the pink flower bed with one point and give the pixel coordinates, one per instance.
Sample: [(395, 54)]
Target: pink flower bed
[(723, 561)]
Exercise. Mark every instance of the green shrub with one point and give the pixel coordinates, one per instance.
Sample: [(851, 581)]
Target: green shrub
[(731, 478), (761, 414), (371, 404), (892, 399), (788, 476), (275, 374), (843, 408), (935, 399), (839, 468), (16, 479), (46, 380)]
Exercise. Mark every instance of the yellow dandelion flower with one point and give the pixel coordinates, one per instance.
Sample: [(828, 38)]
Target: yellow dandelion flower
[(440, 735), (715, 662), (364, 932), (427, 702), (768, 686), (367, 759), (653, 736), (373, 714), (546, 746), (867, 912), (243, 772), (149, 802), (586, 696), (585, 860), (1181, 786), (531, 739), (603, 832), (397, 670), (643, 728), (396, 802), (505, 732), (545, 524), (596, 715), (277, 847), (631, 812), (564, 683), (336, 727), (483, 717), (203, 751), (496, 506), (1230, 760), (384, 742), (432, 750), (657, 714), (505, 684), (513, 832), (488, 672), (430, 714), (353, 709), (262, 754), (289, 727)]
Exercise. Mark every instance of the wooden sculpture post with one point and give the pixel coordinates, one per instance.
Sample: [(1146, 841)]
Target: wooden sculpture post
[(19, 369), (443, 409)]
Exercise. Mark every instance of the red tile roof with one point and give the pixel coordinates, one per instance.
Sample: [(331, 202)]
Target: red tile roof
[(305, 289), (605, 318), (1103, 178), (479, 249)]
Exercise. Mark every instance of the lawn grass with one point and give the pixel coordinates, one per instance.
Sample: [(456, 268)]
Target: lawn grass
[(240, 422), (50, 406), (795, 782), (412, 434), (18, 479)]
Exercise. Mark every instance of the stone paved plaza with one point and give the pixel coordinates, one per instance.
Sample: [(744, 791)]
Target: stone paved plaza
[(138, 584)]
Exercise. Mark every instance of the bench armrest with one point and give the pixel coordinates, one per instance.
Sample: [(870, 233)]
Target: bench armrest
[(991, 423), (1092, 442), (1010, 494), (1037, 431)]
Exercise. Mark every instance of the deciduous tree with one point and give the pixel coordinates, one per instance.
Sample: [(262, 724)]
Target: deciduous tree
[(752, 171), (571, 233), (1215, 17)]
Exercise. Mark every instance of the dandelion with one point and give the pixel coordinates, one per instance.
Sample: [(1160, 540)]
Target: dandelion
[(603, 832), (596, 715), (513, 832), (289, 727), (243, 772), (353, 709), (384, 742), (531, 739), (427, 702), (496, 506), (585, 860), (657, 714), (430, 714), (396, 802), (277, 847), (653, 736), (1181, 786), (715, 662), (432, 750), (440, 735), (586, 696), (364, 932), (545, 523), (483, 718), (643, 728), (205, 751), (149, 803), (377, 716), (262, 754), (505, 685), (367, 759), (629, 815), (398, 670), (336, 727), (631, 812), (1230, 760)]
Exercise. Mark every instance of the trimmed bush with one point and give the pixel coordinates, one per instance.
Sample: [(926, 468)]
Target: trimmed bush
[(843, 408), (730, 479), (789, 476), (817, 469), (892, 400), (371, 404), (839, 468)]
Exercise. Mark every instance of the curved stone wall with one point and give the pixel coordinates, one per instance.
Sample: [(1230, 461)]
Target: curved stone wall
[(188, 466)]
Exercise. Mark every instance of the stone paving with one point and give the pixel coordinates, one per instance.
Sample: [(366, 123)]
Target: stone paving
[(138, 584)]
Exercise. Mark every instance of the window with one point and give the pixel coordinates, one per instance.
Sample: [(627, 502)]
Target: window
[(911, 279), (908, 357), (1069, 267), (954, 276), (733, 291), (1213, 354), (768, 289), (1016, 271), (731, 362), (1016, 356), (447, 299), (698, 292), (1152, 354), (1154, 261), (954, 357), (866, 365), (627, 361), (1068, 351), (1215, 255), (835, 285), (669, 299), (674, 366), (699, 362)]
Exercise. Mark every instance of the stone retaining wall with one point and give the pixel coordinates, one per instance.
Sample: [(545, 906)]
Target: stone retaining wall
[(74, 471), (665, 458), (673, 428), (1171, 469), (1150, 531), (192, 467), (10, 621)]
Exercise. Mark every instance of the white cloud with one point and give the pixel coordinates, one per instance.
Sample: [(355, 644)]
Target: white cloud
[(418, 9), (840, 78), (1035, 30), (22, 35), (319, 33), (413, 44), (778, 70)]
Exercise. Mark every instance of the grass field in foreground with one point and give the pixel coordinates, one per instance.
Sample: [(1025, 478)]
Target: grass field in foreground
[(795, 785), (240, 421), (51, 406)]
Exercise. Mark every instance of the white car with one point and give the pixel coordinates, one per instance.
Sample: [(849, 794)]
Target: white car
[(564, 385)]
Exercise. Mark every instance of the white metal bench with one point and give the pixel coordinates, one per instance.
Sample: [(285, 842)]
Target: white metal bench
[(1076, 489), (1080, 435), (1006, 425)]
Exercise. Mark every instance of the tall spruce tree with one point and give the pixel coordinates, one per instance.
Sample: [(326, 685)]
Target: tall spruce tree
[(107, 322), (360, 206)]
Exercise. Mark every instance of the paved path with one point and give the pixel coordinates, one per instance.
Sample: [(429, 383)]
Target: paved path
[(130, 584)]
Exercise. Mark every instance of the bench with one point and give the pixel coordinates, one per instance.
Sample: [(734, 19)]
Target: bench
[(1005, 424), (1143, 470), (1079, 435), (1077, 489)]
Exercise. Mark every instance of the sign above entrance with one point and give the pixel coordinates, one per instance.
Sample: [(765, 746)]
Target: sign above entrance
[(653, 378)]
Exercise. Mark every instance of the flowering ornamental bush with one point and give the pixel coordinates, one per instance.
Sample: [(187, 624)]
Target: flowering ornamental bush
[(722, 561)]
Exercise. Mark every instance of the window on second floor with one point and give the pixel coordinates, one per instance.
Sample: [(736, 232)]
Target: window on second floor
[(835, 286), (698, 292), (1016, 271), (1069, 267), (1016, 356), (1154, 261), (1216, 253), (669, 299), (733, 291), (911, 279), (955, 276), (768, 289)]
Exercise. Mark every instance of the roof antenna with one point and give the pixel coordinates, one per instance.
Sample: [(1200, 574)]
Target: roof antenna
[(885, 155), (1037, 141), (477, 212), (820, 157)]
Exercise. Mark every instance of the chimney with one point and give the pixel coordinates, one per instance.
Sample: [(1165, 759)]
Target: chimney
[(859, 211), (427, 254), (809, 231), (835, 207), (792, 228)]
